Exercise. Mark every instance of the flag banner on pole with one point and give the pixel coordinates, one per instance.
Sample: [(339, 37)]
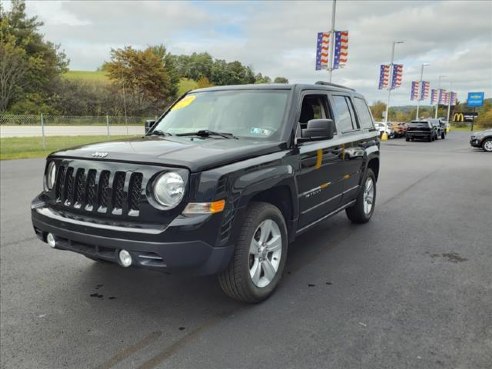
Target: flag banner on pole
[(341, 49), (453, 97), (322, 50), (384, 72), (442, 97), (396, 76), (446, 98), (434, 96), (424, 90), (414, 94)]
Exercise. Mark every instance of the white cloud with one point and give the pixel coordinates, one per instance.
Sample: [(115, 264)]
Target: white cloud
[(278, 38)]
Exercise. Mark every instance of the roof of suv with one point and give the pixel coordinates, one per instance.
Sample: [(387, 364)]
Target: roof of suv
[(281, 86)]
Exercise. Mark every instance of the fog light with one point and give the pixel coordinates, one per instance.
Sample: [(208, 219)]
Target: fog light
[(51, 240), (125, 258)]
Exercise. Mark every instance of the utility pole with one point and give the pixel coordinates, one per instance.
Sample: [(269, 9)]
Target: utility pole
[(391, 75), (438, 89), (449, 100), (332, 39), (420, 89)]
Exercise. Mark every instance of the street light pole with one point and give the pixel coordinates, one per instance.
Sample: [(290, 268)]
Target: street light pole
[(449, 100), (391, 74), (332, 39), (438, 89), (420, 89)]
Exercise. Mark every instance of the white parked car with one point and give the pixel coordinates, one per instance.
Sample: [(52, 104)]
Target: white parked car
[(383, 127)]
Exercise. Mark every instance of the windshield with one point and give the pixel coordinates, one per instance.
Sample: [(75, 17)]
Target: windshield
[(244, 113)]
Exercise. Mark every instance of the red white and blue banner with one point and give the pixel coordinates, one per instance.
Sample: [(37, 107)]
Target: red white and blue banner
[(384, 73), (434, 96), (414, 93), (341, 49), (322, 50), (424, 90), (453, 97), (443, 97), (396, 76)]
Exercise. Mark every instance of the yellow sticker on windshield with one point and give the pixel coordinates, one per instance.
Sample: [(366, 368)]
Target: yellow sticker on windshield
[(183, 103)]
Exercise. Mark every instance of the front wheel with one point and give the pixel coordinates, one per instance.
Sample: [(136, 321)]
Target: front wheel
[(487, 145), (362, 210), (259, 256), (443, 135)]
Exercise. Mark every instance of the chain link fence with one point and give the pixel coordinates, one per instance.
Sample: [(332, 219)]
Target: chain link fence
[(24, 134), (47, 120)]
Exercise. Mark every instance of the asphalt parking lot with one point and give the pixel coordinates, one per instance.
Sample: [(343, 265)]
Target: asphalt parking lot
[(411, 289)]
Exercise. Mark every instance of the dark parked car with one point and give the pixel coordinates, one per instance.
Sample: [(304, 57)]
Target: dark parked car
[(421, 129), (482, 140), (220, 184), (440, 128)]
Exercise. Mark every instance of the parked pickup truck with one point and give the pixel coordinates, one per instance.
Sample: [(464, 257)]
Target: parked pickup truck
[(220, 184)]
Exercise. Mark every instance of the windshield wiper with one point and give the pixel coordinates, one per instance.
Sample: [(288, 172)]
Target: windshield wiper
[(207, 133), (158, 132)]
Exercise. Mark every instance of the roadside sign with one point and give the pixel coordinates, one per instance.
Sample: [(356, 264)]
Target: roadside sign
[(465, 116), (475, 99)]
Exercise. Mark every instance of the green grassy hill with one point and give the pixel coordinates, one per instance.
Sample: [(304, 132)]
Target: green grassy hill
[(99, 76), (86, 76)]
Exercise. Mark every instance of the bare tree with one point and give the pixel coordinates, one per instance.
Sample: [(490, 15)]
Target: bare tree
[(12, 71)]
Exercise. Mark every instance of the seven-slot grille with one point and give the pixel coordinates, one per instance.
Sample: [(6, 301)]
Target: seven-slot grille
[(103, 191)]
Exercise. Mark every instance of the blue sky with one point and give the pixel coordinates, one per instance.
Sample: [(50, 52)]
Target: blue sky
[(278, 38)]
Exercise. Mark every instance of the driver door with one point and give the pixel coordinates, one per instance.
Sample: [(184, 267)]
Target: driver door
[(319, 176)]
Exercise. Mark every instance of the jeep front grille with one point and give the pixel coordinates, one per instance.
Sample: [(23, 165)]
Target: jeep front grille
[(102, 191)]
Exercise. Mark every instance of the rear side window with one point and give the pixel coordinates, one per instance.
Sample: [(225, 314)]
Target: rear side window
[(363, 113), (344, 119)]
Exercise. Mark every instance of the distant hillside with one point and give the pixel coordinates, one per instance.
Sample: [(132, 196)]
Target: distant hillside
[(99, 76), (87, 76)]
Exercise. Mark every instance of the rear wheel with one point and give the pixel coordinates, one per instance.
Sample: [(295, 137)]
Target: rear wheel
[(362, 210), (487, 145), (407, 139), (443, 135), (259, 257)]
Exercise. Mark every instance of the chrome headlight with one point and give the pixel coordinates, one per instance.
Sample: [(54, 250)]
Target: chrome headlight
[(169, 189), (51, 175)]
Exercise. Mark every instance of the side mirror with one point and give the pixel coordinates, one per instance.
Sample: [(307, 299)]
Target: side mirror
[(321, 129), (148, 125)]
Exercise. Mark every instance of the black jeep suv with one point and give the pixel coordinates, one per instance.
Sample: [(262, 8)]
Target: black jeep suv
[(421, 129), (220, 184)]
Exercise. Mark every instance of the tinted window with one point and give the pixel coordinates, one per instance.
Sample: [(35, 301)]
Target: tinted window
[(343, 116), (313, 107), (363, 113)]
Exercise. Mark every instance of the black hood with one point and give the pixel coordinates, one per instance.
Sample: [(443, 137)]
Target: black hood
[(194, 153)]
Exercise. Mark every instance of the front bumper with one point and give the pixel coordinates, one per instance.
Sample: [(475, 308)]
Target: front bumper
[(149, 249), (476, 142)]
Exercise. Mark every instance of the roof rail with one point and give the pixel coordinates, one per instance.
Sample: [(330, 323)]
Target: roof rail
[(333, 84)]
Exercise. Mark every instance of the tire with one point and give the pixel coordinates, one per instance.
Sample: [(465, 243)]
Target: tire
[(443, 136), (430, 138), (407, 139), (237, 280), (487, 145), (360, 212)]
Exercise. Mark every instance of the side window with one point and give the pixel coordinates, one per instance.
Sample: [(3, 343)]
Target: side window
[(343, 114), (313, 107), (363, 113)]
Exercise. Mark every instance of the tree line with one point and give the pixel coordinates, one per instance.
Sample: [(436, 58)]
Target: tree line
[(141, 82), (405, 114)]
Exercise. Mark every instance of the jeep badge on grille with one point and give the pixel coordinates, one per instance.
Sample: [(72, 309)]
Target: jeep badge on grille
[(99, 154)]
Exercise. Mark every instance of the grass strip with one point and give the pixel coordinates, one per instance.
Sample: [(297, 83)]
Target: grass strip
[(32, 147)]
